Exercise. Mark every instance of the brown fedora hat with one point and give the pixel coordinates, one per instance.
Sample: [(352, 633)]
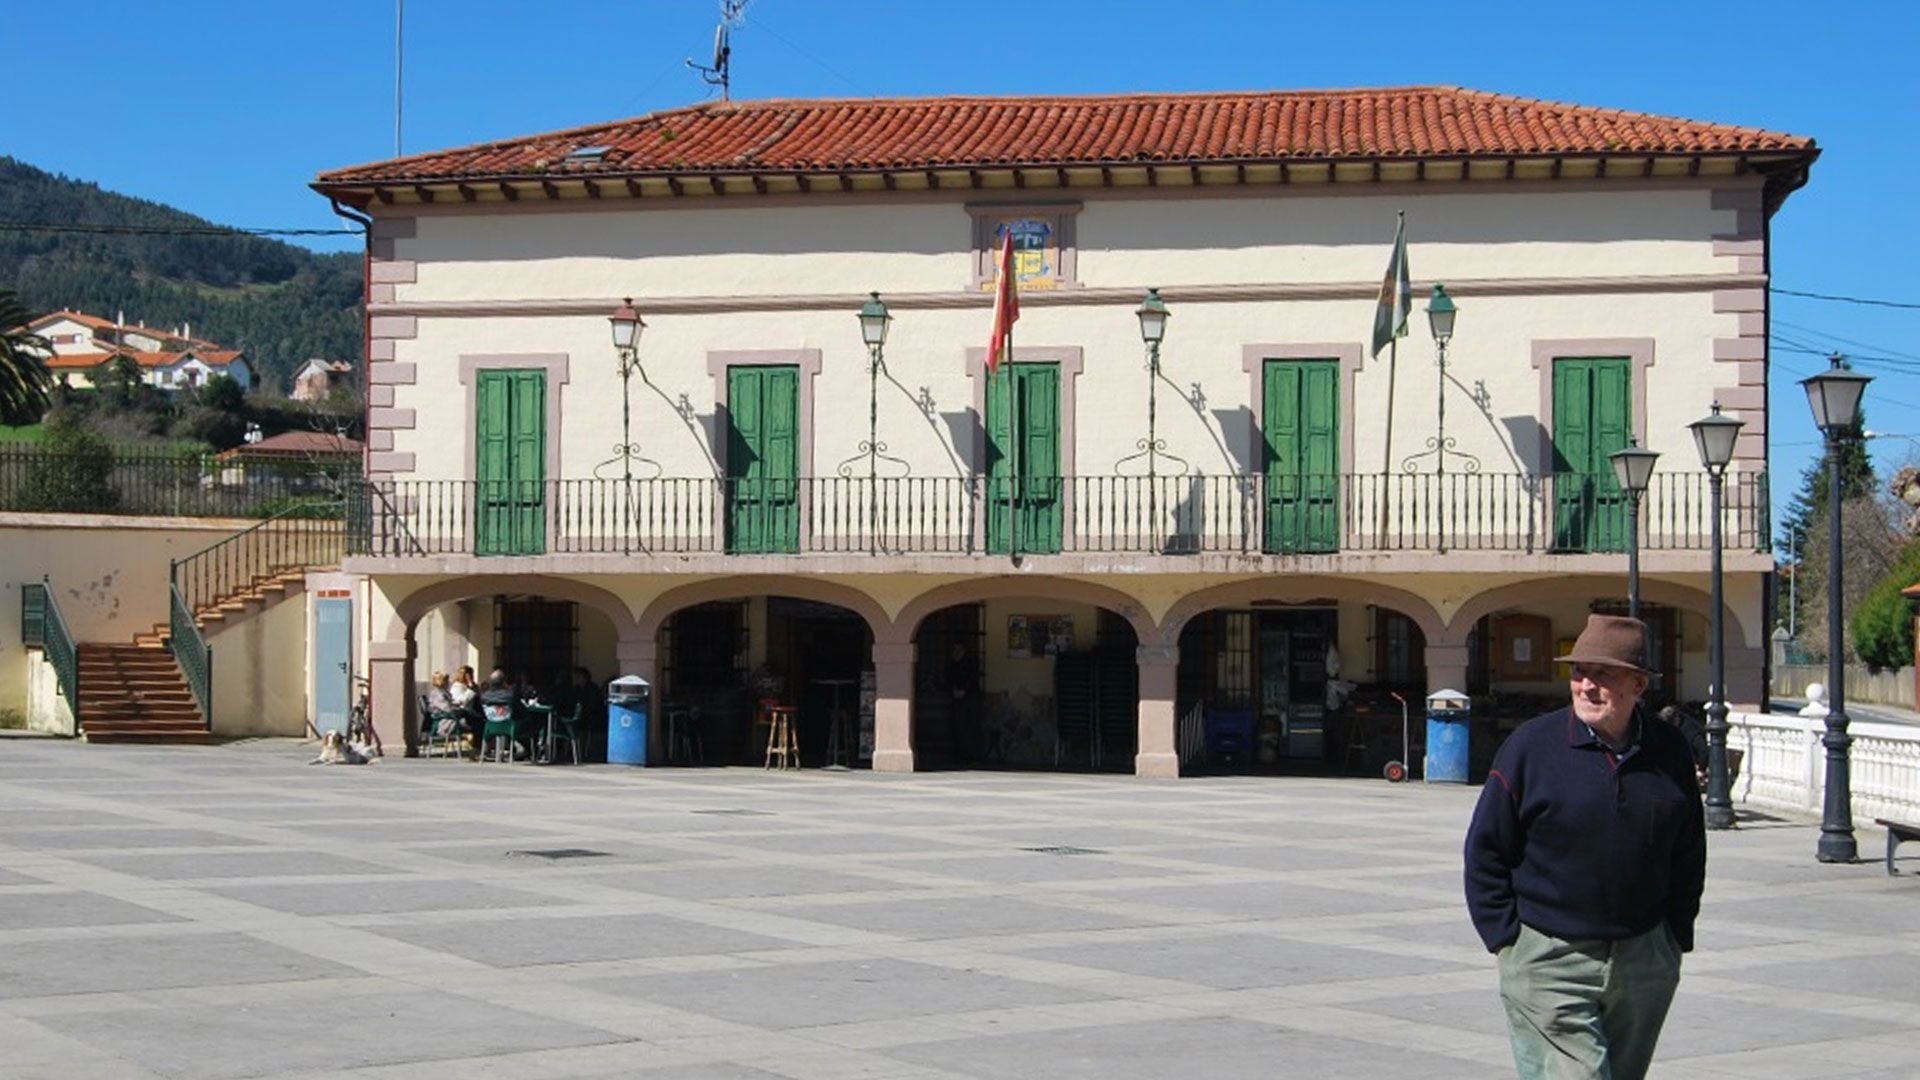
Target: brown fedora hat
[(1613, 640)]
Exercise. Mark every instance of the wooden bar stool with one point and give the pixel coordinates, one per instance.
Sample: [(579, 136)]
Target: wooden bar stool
[(783, 748)]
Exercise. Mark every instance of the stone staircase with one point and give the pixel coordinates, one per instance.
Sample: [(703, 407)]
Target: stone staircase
[(136, 693)]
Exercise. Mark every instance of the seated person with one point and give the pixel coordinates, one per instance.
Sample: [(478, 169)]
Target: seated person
[(462, 690), (440, 709), (498, 697)]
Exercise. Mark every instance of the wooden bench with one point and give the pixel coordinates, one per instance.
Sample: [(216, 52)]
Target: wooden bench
[(1896, 832)]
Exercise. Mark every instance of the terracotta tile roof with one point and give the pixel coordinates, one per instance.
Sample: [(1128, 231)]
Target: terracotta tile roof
[(213, 358), (97, 324), (295, 443), (855, 135)]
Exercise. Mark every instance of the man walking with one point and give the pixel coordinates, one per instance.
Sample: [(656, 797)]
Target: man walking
[(1584, 867)]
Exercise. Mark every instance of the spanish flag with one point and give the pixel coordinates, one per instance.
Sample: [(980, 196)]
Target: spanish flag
[(1396, 293), (1006, 308)]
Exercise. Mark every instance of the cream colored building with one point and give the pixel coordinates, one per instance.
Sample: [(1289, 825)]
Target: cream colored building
[(1078, 599)]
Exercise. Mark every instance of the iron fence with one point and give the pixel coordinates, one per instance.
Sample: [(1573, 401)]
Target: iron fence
[(42, 625), (111, 481), (971, 515)]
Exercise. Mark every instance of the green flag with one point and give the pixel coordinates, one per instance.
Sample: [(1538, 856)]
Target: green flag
[(1396, 293)]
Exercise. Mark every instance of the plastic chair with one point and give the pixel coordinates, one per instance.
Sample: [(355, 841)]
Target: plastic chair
[(430, 729), (506, 725), (566, 727)]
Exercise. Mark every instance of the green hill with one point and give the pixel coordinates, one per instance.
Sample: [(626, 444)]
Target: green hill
[(279, 303)]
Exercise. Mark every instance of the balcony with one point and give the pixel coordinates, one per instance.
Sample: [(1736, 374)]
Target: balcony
[(1105, 515)]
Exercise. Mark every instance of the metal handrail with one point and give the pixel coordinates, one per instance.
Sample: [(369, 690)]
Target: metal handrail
[(53, 637), (1195, 514), (191, 651), (292, 539)]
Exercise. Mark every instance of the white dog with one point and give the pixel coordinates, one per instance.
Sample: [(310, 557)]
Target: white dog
[(336, 750)]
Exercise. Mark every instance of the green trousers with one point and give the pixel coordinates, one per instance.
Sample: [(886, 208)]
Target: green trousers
[(1587, 1010)]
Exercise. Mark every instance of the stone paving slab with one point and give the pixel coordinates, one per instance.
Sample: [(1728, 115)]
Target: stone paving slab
[(229, 911)]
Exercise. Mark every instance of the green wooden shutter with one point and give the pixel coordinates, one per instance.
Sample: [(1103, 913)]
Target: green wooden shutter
[(1302, 436), (1040, 465), (763, 453), (999, 464), (510, 462), (1592, 416), (1320, 453)]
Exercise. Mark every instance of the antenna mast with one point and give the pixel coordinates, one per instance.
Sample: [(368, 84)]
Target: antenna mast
[(733, 13)]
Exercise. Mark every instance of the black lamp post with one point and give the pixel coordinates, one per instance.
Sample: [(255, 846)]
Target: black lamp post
[(874, 320), (1715, 435), (1633, 468), (627, 325), (1835, 396), (1152, 314), (1441, 313)]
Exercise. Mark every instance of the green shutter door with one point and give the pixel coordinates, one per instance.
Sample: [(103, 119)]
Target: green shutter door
[(1302, 414), (1592, 409), (763, 459), (1037, 498), (510, 450)]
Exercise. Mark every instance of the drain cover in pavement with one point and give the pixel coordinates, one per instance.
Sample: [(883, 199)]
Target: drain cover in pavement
[(556, 854), (738, 813), (1064, 851)]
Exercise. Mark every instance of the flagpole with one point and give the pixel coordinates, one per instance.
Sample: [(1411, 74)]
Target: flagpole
[(1013, 460), (1386, 462)]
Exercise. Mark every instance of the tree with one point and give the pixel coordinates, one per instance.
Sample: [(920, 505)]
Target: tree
[(78, 473), (1883, 624), (1801, 542), (119, 379), (23, 374), (224, 394)]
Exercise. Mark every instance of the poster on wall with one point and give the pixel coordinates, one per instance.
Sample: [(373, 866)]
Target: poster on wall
[(1030, 636)]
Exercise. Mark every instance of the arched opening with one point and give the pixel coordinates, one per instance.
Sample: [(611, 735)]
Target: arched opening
[(1026, 682), (1301, 686), (723, 661)]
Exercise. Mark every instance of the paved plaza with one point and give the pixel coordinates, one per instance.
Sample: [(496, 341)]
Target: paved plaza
[(230, 911)]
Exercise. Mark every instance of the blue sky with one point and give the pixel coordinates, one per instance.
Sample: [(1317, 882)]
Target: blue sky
[(227, 108)]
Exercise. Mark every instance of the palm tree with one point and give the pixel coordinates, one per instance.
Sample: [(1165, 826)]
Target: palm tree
[(23, 373)]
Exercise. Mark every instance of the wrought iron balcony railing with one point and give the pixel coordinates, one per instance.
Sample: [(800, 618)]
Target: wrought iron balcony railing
[(1184, 515)]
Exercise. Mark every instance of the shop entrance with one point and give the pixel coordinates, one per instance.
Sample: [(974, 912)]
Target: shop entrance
[(1261, 677)]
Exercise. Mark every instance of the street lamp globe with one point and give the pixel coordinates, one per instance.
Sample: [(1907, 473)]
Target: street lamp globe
[(1633, 467), (1440, 313), (1835, 396), (627, 324), (1714, 435), (874, 320), (1153, 317)]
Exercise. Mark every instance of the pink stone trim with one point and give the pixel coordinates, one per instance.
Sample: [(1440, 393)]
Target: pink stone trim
[(1350, 355), (1639, 351), (395, 374), (1742, 245), (1072, 361), (1740, 348), (557, 368), (380, 349), (1739, 398), (1729, 301), (380, 439), (1746, 198), (379, 248), (392, 419), (395, 271), (1065, 237), (1750, 373), (390, 228), (394, 326), (381, 294), (391, 461), (1753, 324), (380, 396)]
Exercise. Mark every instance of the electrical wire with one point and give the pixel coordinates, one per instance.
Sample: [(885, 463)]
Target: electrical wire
[(165, 230), (1902, 304)]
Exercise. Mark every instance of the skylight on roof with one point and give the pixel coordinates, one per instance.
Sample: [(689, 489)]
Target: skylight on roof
[(587, 153)]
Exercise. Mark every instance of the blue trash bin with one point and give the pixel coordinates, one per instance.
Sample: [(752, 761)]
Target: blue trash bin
[(1449, 719), (629, 700)]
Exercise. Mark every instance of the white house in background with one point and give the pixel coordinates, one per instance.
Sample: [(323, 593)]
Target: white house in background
[(1029, 572), (317, 378), (78, 346)]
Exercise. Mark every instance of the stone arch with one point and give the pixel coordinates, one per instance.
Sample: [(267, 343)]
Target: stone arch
[(1296, 589), (410, 608), (907, 622), (729, 588), (1539, 590)]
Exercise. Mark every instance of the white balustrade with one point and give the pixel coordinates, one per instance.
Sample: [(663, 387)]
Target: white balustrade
[(1785, 766)]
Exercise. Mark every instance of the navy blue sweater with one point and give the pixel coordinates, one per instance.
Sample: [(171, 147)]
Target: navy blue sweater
[(1577, 842)]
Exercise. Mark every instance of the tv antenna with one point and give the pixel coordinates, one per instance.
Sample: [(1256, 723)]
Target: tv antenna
[(733, 13)]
